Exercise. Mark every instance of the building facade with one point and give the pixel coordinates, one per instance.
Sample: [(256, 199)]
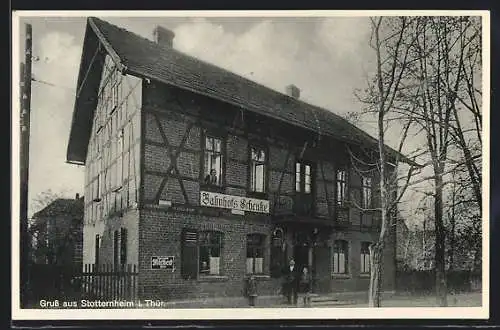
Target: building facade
[(57, 233), (201, 177)]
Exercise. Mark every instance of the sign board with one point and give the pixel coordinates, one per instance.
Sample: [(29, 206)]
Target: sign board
[(167, 263), (238, 203)]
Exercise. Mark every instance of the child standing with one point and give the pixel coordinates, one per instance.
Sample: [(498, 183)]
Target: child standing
[(305, 287)]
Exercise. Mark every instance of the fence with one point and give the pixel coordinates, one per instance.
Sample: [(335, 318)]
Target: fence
[(108, 282), (105, 282), (424, 281)]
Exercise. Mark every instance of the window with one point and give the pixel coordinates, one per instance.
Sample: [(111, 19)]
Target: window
[(123, 246), (257, 169), (255, 253), (97, 243), (366, 185), (341, 177), (213, 161), (303, 178), (340, 258), (210, 243), (365, 257), (200, 253)]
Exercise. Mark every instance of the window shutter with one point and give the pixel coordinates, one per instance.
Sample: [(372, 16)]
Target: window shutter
[(189, 254), (123, 246), (115, 248)]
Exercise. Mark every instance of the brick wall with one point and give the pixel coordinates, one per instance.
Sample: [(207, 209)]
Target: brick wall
[(160, 235)]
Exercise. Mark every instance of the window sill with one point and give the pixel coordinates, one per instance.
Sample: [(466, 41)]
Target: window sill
[(212, 278), (341, 276), (364, 275), (259, 195), (212, 188), (260, 277)]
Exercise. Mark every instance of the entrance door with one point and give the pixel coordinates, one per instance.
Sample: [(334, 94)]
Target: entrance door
[(301, 256), (321, 269)]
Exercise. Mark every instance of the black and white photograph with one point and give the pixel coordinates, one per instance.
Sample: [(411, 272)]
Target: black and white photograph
[(250, 164)]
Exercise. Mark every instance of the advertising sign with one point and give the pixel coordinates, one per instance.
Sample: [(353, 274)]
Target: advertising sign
[(167, 263)]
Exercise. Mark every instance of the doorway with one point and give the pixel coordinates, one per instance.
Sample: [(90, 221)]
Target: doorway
[(301, 256)]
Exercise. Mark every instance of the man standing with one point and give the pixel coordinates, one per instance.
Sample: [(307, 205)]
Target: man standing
[(291, 282)]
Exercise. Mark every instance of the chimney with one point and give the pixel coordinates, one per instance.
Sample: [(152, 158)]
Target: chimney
[(293, 91), (77, 196), (163, 36)]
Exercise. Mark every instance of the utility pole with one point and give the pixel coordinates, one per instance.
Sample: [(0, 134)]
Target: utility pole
[(24, 167)]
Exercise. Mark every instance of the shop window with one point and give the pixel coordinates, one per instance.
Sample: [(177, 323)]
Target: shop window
[(257, 169), (341, 178), (201, 253), (340, 257), (255, 254), (365, 257), (213, 161), (366, 185), (210, 244)]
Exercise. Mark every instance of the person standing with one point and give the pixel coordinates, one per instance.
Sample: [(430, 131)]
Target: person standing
[(291, 282), (305, 287)]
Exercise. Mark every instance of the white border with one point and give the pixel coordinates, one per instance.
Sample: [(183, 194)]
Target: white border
[(253, 313)]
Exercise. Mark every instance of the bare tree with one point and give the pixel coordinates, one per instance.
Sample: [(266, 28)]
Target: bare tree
[(389, 40), (439, 51)]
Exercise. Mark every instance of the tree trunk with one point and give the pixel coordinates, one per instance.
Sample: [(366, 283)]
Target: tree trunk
[(441, 289), (452, 240), (376, 265)]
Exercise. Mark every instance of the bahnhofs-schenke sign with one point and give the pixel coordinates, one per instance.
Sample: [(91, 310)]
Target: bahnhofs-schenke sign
[(239, 203)]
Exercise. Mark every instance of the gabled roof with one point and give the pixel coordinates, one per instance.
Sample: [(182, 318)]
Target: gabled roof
[(144, 58), (62, 207)]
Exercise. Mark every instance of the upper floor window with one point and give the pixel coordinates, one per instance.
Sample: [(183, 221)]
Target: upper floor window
[(341, 178), (303, 178), (213, 161), (257, 169), (366, 184), (340, 257), (365, 257), (255, 254)]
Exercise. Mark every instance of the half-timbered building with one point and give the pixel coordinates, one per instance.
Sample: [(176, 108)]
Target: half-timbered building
[(201, 177)]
